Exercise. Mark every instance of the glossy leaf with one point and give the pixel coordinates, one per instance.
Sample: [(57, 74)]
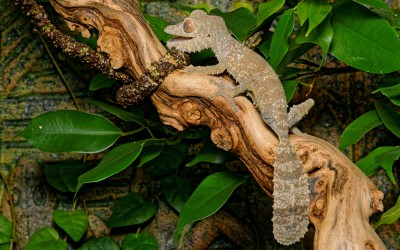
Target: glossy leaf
[(358, 128), (71, 131), (240, 21), (131, 210), (391, 92), (380, 8), (387, 159), (104, 243), (170, 158), (142, 241), (389, 117), (100, 81), (149, 153), (364, 40), (279, 43), (313, 11), (209, 197), (5, 229), (74, 223), (290, 88), (176, 190), (368, 164), (211, 153), (267, 9), (322, 36), (295, 51), (120, 113), (390, 216), (46, 238), (63, 176), (158, 25), (118, 159)]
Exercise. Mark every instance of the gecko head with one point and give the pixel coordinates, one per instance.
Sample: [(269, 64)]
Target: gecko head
[(197, 32)]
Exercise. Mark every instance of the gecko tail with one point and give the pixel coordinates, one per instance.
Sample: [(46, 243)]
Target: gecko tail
[(291, 196)]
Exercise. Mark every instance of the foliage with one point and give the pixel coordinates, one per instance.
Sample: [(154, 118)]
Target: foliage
[(363, 34)]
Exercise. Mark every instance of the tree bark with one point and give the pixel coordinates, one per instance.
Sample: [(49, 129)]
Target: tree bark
[(342, 197)]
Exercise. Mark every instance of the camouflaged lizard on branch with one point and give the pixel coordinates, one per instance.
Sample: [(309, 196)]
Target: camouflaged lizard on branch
[(256, 78)]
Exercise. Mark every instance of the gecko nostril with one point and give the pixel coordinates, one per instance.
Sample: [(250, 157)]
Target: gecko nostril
[(188, 25)]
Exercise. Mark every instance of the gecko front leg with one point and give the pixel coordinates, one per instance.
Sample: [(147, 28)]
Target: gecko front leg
[(227, 90)]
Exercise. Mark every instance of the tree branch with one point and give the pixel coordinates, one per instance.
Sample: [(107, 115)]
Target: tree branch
[(342, 197)]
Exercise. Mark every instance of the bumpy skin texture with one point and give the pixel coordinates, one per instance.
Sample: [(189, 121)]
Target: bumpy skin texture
[(256, 78)]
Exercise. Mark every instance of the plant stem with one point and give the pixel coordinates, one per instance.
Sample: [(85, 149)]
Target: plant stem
[(66, 84)]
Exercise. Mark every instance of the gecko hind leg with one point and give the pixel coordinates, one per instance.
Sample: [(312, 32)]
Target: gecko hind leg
[(227, 90), (297, 112)]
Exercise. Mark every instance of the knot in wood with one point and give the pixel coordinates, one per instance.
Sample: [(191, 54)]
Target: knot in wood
[(222, 139), (191, 113), (110, 43)]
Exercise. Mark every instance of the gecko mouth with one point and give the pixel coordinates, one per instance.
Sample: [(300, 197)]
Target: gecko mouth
[(180, 38)]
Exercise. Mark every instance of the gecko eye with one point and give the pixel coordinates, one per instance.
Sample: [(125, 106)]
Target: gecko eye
[(188, 25)]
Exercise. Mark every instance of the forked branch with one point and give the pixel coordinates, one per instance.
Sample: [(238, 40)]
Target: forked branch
[(342, 197)]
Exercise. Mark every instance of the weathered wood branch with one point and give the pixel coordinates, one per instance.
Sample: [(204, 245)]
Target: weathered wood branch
[(343, 198)]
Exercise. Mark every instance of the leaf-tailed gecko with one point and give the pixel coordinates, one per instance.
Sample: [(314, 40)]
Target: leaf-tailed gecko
[(256, 78)]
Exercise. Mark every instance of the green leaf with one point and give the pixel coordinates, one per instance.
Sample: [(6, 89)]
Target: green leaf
[(358, 128), (289, 87), (74, 223), (368, 164), (118, 159), (390, 216), (158, 25), (364, 40), (389, 117), (208, 197), (150, 152), (265, 46), (295, 51), (321, 36), (46, 238), (142, 241), (5, 246), (120, 113), (71, 131), (211, 153), (392, 92), (380, 8), (63, 176), (5, 230), (313, 11), (104, 243), (240, 22), (131, 210), (387, 159), (164, 163), (279, 43), (177, 191), (266, 10), (100, 81)]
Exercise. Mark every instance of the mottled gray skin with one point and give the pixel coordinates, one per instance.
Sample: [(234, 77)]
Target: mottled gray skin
[(256, 78)]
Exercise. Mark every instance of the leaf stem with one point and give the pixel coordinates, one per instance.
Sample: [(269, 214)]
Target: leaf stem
[(133, 132)]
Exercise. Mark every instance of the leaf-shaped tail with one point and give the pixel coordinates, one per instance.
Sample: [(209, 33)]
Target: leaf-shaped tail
[(291, 195)]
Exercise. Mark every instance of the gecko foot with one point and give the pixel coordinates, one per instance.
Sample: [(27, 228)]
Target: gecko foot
[(225, 89)]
